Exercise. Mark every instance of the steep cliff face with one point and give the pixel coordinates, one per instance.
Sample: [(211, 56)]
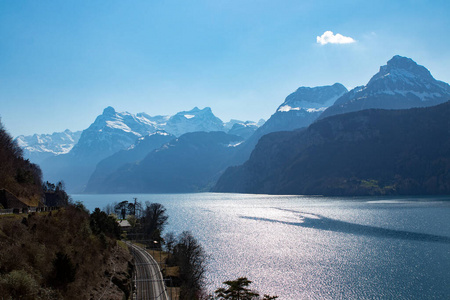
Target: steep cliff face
[(363, 153)]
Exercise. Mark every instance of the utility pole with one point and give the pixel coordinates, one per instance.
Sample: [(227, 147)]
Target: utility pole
[(135, 200)]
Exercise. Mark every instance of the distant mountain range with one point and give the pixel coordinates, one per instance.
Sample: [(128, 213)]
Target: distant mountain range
[(112, 133), (122, 152), (38, 147)]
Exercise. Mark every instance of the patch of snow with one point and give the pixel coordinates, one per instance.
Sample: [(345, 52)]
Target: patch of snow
[(312, 110), (286, 108), (234, 144), (118, 125), (189, 116)]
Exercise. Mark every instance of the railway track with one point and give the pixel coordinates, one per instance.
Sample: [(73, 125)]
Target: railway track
[(148, 280)]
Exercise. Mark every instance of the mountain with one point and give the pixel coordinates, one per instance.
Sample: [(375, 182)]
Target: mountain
[(38, 147), (114, 131), (111, 132), (135, 153), (243, 129), (400, 84), (298, 110), (370, 152), (302, 107), (190, 163), (192, 121)]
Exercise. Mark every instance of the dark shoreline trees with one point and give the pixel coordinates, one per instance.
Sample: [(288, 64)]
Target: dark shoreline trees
[(188, 254), (239, 290)]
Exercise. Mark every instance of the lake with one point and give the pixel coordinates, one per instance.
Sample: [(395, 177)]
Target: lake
[(303, 247)]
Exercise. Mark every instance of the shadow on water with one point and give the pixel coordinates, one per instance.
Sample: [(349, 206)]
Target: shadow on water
[(319, 222)]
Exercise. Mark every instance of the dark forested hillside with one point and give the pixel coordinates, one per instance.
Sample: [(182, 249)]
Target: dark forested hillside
[(17, 175), (135, 153), (369, 152), (190, 163)]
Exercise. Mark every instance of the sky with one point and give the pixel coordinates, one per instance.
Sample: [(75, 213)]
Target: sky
[(63, 62)]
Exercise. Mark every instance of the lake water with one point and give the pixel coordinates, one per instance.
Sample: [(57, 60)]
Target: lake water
[(300, 247)]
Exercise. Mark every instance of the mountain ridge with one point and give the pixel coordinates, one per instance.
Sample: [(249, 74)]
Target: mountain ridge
[(369, 152)]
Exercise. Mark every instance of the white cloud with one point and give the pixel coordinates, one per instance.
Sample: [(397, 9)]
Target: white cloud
[(331, 38)]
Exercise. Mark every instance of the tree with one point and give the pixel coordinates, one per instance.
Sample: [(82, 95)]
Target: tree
[(109, 208), (238, 290), (100, 223), (191, 259), (63, 270), (121, 209), (154, 221), (134, 208), (170, 240)]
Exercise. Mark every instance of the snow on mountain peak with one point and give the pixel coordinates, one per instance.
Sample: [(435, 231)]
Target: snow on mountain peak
[(193, 120), (312, 97), (404, 77), (400, 84), (37, 147), (403, 69)]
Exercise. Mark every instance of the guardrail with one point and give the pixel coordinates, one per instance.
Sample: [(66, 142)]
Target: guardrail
[(27, 210)]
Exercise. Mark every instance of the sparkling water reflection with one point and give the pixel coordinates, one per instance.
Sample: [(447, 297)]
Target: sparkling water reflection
[(316, 247)]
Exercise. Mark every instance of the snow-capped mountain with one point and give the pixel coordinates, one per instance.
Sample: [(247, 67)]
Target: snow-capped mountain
[(157, 121), (112, 131), (38, 147), (303, 107), (192, 121), (298, 110), (400, 84), (243, 129)]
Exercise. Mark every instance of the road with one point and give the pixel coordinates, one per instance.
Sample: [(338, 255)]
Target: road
[(148, 278)]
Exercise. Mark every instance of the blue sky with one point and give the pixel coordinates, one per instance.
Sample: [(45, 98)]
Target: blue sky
[(63, 62)]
